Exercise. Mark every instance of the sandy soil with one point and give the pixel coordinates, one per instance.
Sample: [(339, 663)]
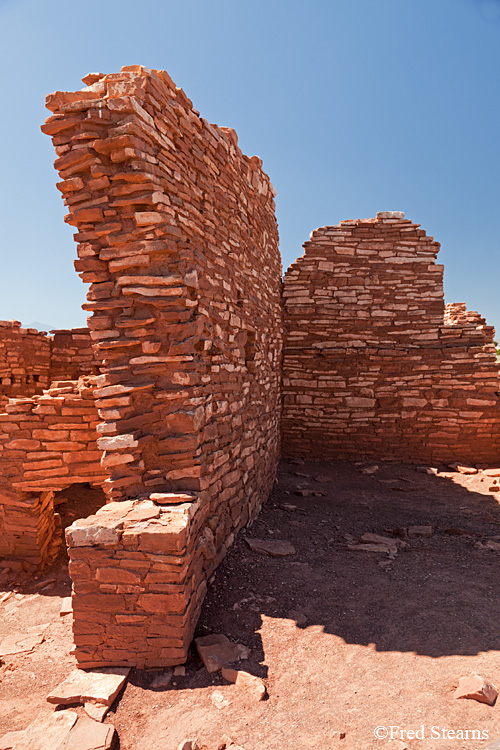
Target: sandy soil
[(345, 641)]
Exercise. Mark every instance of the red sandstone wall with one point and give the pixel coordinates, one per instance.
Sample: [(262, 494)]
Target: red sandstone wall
[(72, 354), (30, 359), (373, 364), (178, 239), (24, 361), (47, 442)]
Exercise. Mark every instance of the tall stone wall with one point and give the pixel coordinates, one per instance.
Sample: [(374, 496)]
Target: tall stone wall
[(177, 236), (373, 362)]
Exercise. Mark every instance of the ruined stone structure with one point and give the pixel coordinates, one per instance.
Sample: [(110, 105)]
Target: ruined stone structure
[(374, 364), (47, 443), (30, 360), (178, 238)]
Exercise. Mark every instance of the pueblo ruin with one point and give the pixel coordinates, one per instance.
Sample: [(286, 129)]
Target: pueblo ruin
[(201, 367)]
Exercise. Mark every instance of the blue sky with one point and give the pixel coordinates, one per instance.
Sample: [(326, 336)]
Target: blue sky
[(355, 106)]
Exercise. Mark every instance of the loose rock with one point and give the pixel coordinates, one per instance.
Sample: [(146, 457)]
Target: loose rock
[(476, 688), (216, 651), (420, 531), (276, 548), (248, 682)]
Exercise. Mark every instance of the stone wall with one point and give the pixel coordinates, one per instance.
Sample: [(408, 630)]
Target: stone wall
[(47, 442), (31, 359), (374, 364), (72, 354), (177, 236), (24, 361)]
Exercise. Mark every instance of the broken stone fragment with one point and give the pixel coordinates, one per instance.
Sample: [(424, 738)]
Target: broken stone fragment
[(248, 682), (369, 469), (287, 506), (476, 688), (219, 700), (66, 606), (491, 472), (421, 531), (162, 680), (188, 745), (96, 686), (466, 469), (276, 548), (180, 671), (216, 651), (392, 549), (96, 711), (369, 538), (309, 493)]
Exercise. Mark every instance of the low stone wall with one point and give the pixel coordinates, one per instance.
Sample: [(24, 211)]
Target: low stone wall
[(373, 363), (47, 442)]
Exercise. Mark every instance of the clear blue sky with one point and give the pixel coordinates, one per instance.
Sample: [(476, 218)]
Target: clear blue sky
[(355, 106)]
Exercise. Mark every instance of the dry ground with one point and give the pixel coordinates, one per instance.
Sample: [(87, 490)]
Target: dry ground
[(345, 641)]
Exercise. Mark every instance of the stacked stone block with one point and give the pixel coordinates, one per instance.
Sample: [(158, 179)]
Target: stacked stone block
[(373, 363), (136, 571), (178, 239)]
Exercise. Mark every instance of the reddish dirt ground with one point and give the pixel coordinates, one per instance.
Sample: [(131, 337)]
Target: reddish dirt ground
[(345, 641)]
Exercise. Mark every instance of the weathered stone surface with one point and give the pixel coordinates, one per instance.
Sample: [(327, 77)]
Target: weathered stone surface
[(98, 686), (96, 711), (246, 681), (216, 651), (274, 548), (477, 688)]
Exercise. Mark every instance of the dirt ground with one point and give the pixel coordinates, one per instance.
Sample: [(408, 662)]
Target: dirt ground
[(345, 641)]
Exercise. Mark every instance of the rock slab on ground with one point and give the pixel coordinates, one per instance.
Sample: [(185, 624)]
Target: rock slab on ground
[(93, 686)]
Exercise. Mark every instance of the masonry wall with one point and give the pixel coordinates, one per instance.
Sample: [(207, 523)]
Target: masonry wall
[(373, 362), (72, 354), (24, 361), (177, 236), (31, 359), (47, 442)]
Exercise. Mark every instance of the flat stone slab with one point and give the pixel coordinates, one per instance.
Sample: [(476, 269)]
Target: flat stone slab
[(94, 686), (20, 644), (276, 548), (47, 732), (88, 734)]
